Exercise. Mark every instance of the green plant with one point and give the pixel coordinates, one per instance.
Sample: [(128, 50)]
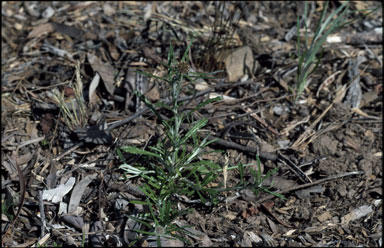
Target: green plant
[(54, 244), (173, 166), (5, 205), (307, 57)]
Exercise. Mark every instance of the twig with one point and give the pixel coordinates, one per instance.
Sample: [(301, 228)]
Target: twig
[(128, 119), (42, 214), (28, 142), (145, 109), (71, 149), (57, 51), (253, 150), (22, 187), (268, 209), (291, 165), (347, 174)]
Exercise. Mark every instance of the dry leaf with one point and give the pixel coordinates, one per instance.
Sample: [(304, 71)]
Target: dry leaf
[(108, 10), (105, 70), (356, 214), (55, 27), (327, 82), (81, 5), (56, 195), (325, 216), (41, 29), (236, 61), (31, 130), (46, 122), (202, 85), (92, 89), (114, 52), (78, 192), (153, 95)]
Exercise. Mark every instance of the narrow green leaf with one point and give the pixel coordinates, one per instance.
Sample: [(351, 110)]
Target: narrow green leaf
[(121, 156), (151, 75), (208, 179), (185, 55), (140, 202), (202, 198), (135, 150), (203, 104), (198, 125), (170, 54), (241, 172), (165, 212), (274, 193), (207, 166)]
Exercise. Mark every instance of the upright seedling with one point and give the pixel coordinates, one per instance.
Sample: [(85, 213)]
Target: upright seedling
[(173, 167), (307, 57)]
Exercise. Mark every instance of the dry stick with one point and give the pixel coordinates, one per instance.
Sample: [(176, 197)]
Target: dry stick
[(304, 136), (28, 142), (145, 109), (292, 167), (310, 184), (128, 119), (110, 127), (137, 114), (69, 150), (42, 214), (22, 186), (253, 150)]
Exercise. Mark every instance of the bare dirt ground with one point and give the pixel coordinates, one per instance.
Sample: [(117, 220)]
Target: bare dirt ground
[(333, 133)]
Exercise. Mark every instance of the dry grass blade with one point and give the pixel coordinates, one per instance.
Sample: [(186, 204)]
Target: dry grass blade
[(223, 29), (74, 113), (22, 184)]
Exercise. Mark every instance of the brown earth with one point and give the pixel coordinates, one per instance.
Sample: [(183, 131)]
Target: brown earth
[(333, 133)]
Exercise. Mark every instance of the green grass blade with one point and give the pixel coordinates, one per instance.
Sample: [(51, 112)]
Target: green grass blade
[(204, 103), (185, 55), (137, 151), (152, 76), (241, 172), (197, 126)]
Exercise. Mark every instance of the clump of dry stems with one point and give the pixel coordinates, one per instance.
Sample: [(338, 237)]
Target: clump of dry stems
[(74, 112), (222, 38)]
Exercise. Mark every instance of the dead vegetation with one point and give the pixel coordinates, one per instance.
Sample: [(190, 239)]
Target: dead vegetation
[(69, 77)]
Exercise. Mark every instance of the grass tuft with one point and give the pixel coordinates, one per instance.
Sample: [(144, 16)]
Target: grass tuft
[(308, 61), (75, 112), (223, 32)]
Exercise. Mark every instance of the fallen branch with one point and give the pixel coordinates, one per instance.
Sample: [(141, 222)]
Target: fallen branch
[(347, 174)]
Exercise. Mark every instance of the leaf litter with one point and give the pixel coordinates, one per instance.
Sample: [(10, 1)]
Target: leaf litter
[(339, 117)]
